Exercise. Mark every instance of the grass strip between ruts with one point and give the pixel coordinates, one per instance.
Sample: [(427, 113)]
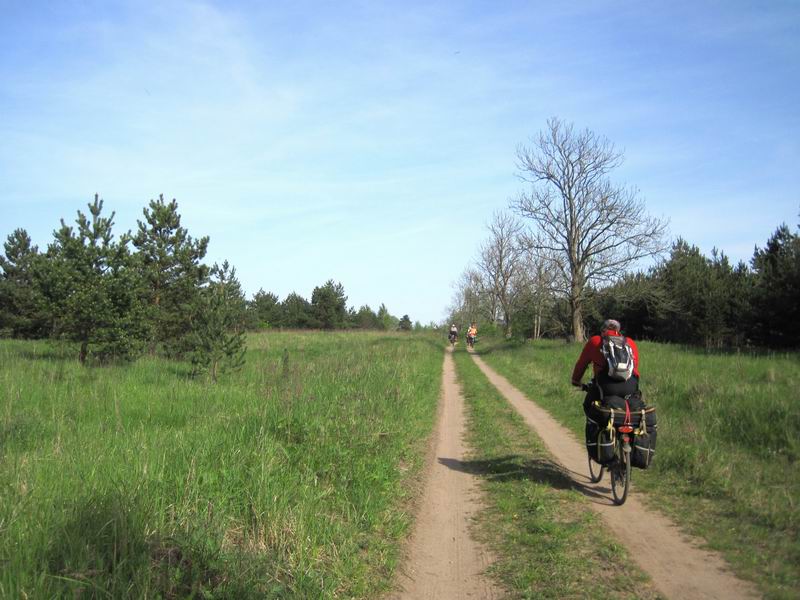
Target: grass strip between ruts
[(548, 542)]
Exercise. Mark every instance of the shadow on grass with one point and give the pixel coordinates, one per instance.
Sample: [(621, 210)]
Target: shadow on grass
[(102, 549), (514, 467)]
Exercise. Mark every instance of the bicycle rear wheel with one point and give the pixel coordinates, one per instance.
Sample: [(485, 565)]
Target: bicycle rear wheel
[(595, 471), (621, 475)]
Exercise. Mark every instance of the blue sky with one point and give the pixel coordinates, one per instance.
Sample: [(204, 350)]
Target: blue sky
[(370, 142)]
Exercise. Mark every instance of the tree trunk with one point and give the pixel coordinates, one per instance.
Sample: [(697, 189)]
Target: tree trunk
[(577, 320), (84, 352), (214, 365)]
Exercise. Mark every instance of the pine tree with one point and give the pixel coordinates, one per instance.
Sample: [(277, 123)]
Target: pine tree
[(263, 310), (171, 265), (21, 305), (91, 286), (388, 322), (405, 323), (777, 290), (295, 312), (367, 319), (218, 337), (329, 305)]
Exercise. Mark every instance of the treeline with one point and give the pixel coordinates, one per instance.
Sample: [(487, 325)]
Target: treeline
[(149, 291), (706, 300), (327, 309), (687, 297)]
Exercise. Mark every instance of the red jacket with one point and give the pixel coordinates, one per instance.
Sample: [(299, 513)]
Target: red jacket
[(592, 354)]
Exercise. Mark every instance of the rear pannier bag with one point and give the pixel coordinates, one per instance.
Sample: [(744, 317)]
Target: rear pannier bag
[(644, 448), (599, 442), (605, 446), (643, 445), (644, 440)]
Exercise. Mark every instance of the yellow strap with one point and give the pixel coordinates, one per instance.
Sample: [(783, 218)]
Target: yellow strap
[(642, 424)]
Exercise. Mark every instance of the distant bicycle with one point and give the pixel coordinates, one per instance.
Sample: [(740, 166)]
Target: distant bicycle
[(471, 341), (453, 337)]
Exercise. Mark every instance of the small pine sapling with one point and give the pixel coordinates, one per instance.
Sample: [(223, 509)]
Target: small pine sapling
[(218, 337)]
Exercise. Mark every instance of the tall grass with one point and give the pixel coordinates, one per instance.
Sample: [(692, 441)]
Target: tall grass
[(728, 444), (288, 479)]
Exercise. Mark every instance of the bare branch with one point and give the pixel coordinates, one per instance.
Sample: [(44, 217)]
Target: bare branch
[(590, 229)]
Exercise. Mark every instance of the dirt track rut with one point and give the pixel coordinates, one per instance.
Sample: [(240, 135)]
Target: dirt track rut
[(444, 562), (676, 563)]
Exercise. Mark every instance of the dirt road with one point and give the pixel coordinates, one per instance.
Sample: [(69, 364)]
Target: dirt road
[(444, 562), (678, 566)]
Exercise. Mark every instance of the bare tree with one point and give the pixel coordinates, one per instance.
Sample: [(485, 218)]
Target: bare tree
[(473, 299), (537, 283), (589, 228), (500, 263)]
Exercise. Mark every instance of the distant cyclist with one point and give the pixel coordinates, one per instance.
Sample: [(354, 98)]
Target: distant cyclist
[(472, 333), (453, 333), (615, 363)]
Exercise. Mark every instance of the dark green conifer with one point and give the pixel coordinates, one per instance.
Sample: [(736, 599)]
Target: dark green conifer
[(777, 289), (263, 311), (92, 288), (173, 274), (21, 305), (296, 312), (218, 327), (405, 323), (329, 306)]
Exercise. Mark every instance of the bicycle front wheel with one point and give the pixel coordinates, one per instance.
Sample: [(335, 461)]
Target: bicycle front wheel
[(595, 471), (621, 475)]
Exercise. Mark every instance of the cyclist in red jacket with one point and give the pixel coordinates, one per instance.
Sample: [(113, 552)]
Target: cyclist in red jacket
[(605, 384)]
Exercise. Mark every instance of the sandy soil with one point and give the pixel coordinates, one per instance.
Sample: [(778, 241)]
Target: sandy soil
[(678, 566), (444, 562)]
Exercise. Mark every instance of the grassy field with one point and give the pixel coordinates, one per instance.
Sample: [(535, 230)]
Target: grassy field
[(288, 479), (548, 543), (728, 445)]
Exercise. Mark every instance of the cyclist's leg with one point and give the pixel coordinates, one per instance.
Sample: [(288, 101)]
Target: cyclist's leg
[(588, 403)]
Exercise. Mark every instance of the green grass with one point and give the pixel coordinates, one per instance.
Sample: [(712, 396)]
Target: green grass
[(548, 542), (290, 478), (728, 444)]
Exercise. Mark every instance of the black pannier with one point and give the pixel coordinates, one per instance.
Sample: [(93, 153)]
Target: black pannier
[(599, 442), (644, 440), (645, 434)]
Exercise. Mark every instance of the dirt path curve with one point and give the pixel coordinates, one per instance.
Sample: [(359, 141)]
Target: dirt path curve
[(678, 566), (444, 562)]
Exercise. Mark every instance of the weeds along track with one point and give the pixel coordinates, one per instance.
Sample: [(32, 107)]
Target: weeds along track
[(288, 479), (678, 566)]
